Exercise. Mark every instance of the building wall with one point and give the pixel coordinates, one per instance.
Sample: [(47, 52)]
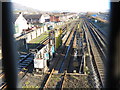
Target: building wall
[(57, 19), (63, 18), (54, 18), (38, 32), (42, 19), (20, 24)]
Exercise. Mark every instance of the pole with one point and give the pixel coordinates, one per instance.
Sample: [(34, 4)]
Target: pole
[(9, 49), (49, 45), (26, 41)]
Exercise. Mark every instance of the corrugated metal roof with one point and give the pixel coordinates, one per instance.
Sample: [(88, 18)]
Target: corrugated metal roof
[(35, 16)]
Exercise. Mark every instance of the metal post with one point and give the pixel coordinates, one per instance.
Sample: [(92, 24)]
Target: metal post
[(9, 49), (84, 64), (26, 41), (49, 46)]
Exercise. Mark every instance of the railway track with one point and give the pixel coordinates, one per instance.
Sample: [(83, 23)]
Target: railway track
[(96, 53), (57, 75), (62, 69), (81, 51), (3, 84), (68, 49), (23, 66), (1, 75), (100, 43), (27, 60), (61, 76), (99, 29), (100, 40), (68, 32)]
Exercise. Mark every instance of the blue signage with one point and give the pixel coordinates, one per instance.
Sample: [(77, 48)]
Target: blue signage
[(46, 55), (52, 49), (94, 15)]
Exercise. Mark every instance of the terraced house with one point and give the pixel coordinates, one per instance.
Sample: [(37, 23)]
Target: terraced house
[(20, 23)]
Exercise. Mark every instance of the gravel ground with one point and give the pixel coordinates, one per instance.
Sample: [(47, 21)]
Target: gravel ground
[(55, 81), (71, 81), (77, 81), (31, 81)]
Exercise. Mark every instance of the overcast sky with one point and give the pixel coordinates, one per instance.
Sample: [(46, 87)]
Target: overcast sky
[(66, 5)]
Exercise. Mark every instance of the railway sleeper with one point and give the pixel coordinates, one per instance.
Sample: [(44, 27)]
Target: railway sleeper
[(98, 60), (103, 77), (101, 71), (99, 63), (95, 53), (100, 66), (25, 62), (28, 60), (22, 64)]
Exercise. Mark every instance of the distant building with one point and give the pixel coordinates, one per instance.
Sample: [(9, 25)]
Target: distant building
[(20, 23), (57, 17), (54, 18)]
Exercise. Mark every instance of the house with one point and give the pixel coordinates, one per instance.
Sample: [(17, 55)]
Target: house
[(20, 24), (37, 18)]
